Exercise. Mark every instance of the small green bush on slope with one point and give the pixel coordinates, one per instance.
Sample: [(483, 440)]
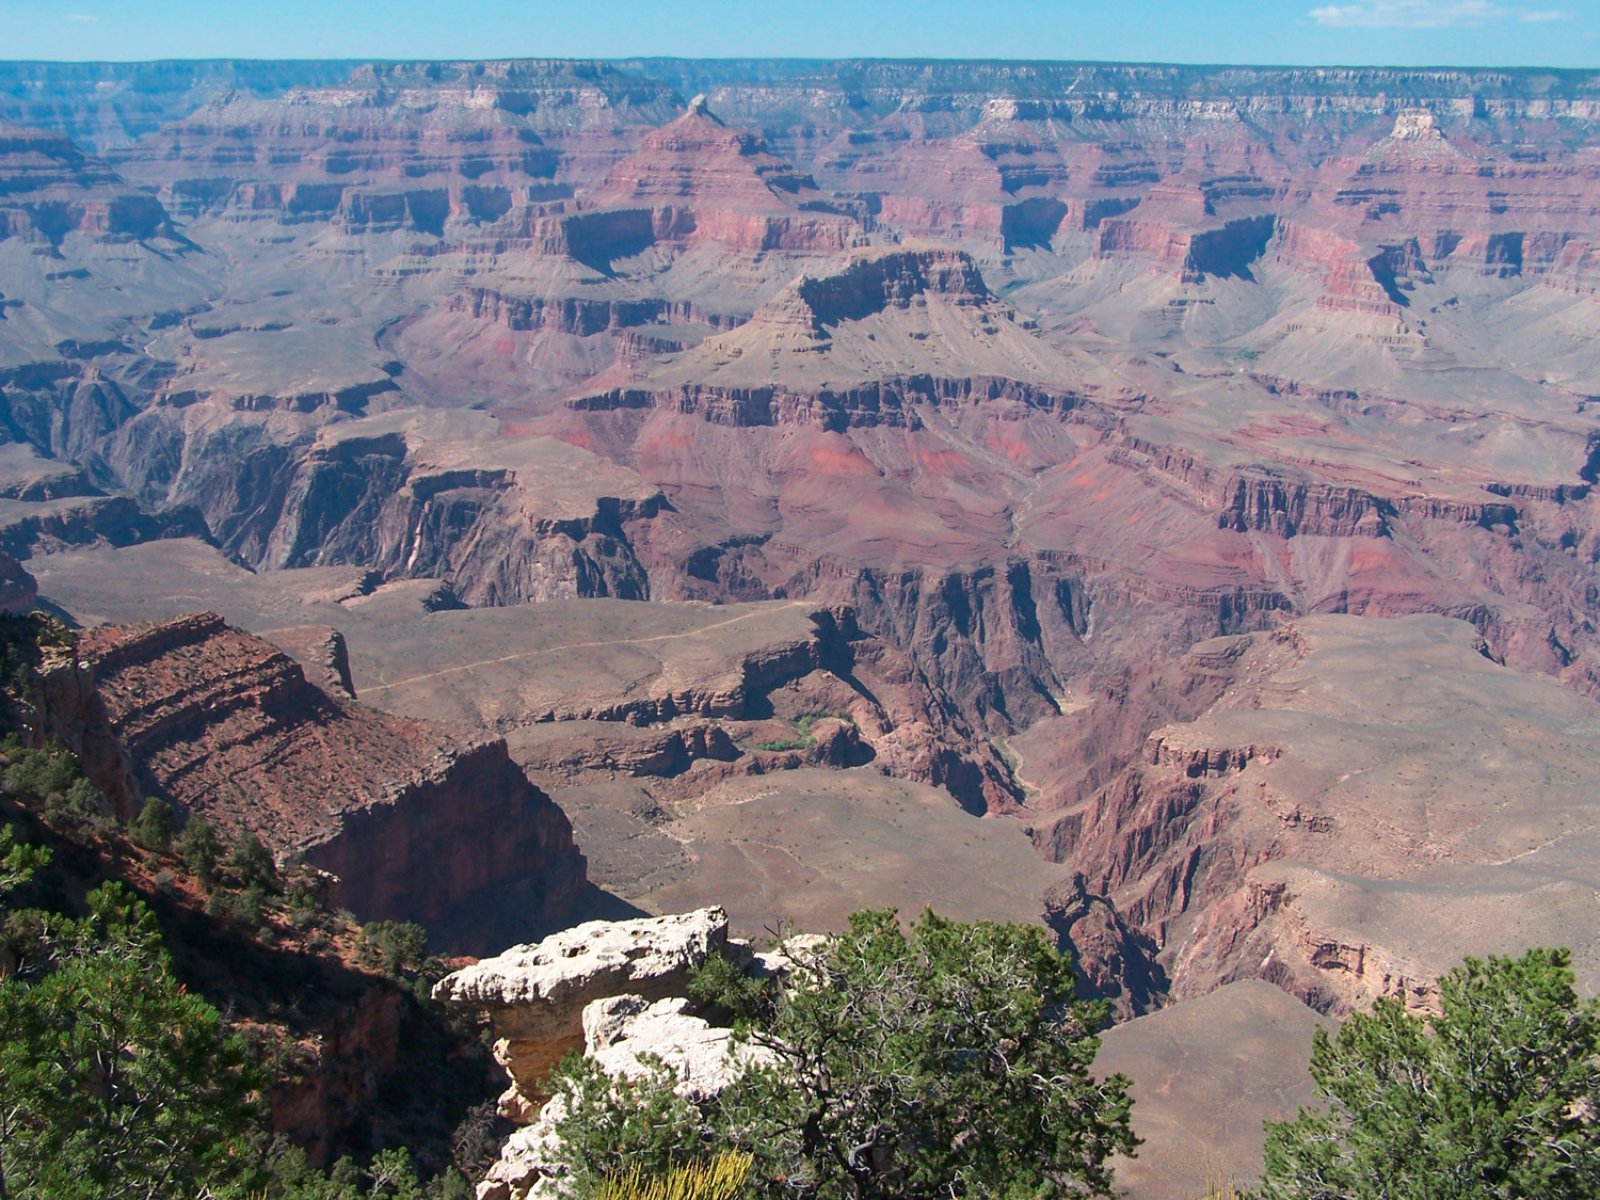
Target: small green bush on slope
[(113, 1079), (117, 1081)]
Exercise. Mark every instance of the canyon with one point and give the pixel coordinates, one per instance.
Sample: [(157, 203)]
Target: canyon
[(1157, 501)]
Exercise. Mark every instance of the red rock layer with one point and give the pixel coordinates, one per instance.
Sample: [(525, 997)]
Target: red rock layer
[(419, 825), (703, 181), (401, 145)]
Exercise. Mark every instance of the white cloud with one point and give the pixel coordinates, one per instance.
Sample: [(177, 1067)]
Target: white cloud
[(1423, 14), (1548, 14)]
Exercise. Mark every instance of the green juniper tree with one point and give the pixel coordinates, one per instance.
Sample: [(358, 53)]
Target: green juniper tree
[(200, 848), (1497, 1098), (18, 860), (253, 864), (396, 946), (115, 1080)]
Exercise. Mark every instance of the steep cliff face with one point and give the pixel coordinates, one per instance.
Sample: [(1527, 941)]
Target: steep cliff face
[(483, 541), (889, 402), (498, 851), (1258, 502), (853, 93), (227, 727), (978, 637), (28, 529), (62, 409), (875, 282), (1196, 226), (406, 498), (110, 105), (398, 146), (1328, 824), (18, 589), (52, 189), (580, 316)]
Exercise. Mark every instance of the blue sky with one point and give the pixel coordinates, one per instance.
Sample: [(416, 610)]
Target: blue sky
[(1399, 32)]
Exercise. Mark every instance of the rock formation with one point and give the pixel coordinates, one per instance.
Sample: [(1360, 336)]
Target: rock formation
[(52, 189), (18, 589), (616, 990), (701, 180), (537, 996), (417, 824), (1350, 817)]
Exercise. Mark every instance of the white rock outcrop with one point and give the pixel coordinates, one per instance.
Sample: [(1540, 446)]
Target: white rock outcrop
[(704, 1058), (617, 989), (545, 986), (535, 995)]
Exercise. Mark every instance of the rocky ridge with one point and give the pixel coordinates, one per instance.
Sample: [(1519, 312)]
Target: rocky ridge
[(700, 179), (225, 726), (1315, 784), (51, 189), (539, 997)]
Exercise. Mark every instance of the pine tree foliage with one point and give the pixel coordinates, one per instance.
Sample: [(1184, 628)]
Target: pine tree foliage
[(114, 1080), (1497, 1098)]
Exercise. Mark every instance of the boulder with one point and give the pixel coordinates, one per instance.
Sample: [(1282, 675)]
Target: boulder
[(615, 989), (622, 1030), (535, 995)]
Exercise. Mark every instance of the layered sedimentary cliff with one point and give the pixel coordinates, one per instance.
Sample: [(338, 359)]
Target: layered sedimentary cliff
[(701, 180), (418, 825), (1338, 819), (51, 189)]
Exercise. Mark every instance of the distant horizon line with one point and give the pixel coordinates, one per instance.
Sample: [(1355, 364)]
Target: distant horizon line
[(809, 60)]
